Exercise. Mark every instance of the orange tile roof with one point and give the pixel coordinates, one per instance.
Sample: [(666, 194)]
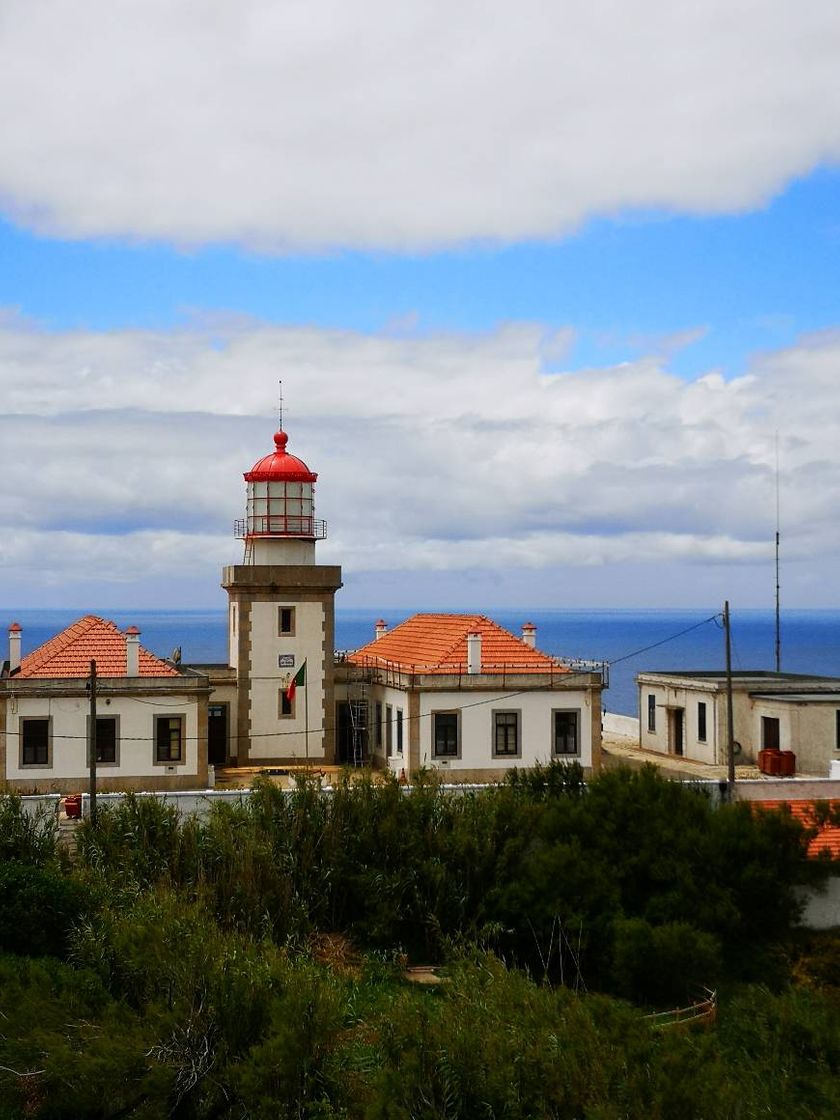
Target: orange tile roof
[(828, 836), (437, 643), (69, 653)]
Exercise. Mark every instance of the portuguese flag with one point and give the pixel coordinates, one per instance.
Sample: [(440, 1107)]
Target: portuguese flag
[(298, 678)]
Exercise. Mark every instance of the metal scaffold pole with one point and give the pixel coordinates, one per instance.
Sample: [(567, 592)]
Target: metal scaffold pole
[(92, 742), (730, 715)]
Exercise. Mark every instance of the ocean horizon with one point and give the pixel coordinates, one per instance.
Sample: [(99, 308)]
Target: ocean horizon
[(631, 640)]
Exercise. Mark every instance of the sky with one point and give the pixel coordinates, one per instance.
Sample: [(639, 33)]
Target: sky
[(553, 291)]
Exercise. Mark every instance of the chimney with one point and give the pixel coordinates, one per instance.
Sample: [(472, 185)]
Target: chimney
[(132, 652), (14, 646), (529, 634), (474, 653), (381, 628)]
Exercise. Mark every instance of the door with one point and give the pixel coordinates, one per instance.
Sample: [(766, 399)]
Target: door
[(677, 730), (769, 733), (217, 734)]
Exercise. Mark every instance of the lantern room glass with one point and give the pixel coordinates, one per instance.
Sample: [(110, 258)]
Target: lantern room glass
[(281, 509)]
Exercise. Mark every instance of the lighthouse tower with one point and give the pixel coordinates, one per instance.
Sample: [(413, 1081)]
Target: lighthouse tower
[(281, 615)]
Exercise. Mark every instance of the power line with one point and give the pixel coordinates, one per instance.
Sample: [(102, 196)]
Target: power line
[(494, 699)]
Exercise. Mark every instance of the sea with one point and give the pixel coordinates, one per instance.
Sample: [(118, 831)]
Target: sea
[(629, 640)]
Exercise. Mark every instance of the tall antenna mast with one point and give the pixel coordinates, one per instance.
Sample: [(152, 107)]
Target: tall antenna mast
[(280, 404), (778, 610)]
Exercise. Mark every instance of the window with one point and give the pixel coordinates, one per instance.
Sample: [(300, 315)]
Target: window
[(566, 733), (445, 734), (106, 740), (400, 730), (35, 735), (286, 621), (701, 721), (169, 738), (505, 734), (389, 730), (837, 730), (285, 706), (378, 724), (651, 701)]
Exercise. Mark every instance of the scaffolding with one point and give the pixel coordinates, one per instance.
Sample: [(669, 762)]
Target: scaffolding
[(357, 704)]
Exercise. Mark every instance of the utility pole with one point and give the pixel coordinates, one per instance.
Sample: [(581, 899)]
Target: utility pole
[(730, 718), (92, 742)]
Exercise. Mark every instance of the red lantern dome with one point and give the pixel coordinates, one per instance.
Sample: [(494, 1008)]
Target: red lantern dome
[(280, 465), (281, 498)]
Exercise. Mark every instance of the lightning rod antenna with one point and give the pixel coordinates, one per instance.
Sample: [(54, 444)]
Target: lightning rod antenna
[(280, 404)]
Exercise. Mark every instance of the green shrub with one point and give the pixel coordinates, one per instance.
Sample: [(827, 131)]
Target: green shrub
[(38, 907), (664, 966), (24, 837)]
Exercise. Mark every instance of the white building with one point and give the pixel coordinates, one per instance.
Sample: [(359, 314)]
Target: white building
[(685, 714), (151, 718), (460, 694)]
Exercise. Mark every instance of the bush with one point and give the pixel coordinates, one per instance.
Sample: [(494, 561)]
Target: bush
[(24, 837), (664, 966), (38, 908), (539, 869)]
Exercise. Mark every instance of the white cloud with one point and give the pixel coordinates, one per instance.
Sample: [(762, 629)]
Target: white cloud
[(122, 454), (373, 124)]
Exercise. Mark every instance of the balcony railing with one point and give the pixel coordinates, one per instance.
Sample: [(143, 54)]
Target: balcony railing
[(564, 670), (280, 525)]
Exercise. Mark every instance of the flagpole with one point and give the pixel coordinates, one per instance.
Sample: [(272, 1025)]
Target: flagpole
[(306, 715)]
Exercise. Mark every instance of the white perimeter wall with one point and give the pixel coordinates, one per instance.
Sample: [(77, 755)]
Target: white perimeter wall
[(136, 731), (625, 727)]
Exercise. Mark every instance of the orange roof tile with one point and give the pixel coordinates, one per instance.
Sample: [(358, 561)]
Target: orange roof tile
[(437, 643), (69, 653), (828, 836)]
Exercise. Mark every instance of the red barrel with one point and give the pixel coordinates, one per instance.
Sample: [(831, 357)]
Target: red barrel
[(767, 760), (788, 764), (73, 806), (773, 762)]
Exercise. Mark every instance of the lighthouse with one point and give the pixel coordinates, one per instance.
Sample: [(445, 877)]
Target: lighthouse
[(280, 525), (281, 617)]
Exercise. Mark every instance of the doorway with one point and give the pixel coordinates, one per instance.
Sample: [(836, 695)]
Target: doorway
[(770, 738), (351, 738), (217, 734), (676, 731)]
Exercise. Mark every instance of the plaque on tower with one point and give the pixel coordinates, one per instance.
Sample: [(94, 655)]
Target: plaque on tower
[(286, 661)]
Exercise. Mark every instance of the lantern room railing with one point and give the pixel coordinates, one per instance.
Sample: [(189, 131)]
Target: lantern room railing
[(280, 525)]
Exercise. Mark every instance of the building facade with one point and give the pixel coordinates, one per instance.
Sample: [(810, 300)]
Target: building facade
[(684, 714), (461, 695), (151, 715)]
